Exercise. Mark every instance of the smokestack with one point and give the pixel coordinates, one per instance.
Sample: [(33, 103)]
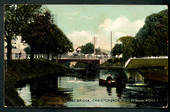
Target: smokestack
[(94, 44)]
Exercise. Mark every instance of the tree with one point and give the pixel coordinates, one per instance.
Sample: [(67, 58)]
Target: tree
[(15, 18), (44, 37), (98, 51), (152, 38), (128, 46), (36, 32), (27, 50), (87, 48), (10, 28), (58, 42), (117, 49)]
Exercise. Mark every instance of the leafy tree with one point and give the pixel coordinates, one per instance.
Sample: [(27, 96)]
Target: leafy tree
[(58, 42), (16, 16), (87, 48), (36, 32), (117, 49), (27, 50), (153, 36), (98, 51), (128, 46), (44, 37), (10, 28)]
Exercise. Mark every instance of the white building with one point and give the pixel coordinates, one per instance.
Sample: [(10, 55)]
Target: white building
[(19, 48), (16, 54)]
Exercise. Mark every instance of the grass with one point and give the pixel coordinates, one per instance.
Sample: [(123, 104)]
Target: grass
[(144, 63), (113, 62)]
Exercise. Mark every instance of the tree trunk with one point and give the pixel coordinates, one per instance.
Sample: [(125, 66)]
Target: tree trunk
[(52, 56), (31, 56), (9, 50), (48, 56)]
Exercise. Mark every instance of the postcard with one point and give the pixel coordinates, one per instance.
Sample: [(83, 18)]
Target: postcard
[(84, 55)]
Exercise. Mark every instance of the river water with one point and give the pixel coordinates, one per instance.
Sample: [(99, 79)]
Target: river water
[(85, 91)]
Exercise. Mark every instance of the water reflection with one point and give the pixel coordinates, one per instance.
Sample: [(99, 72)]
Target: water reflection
[(109, 90), (52, 98), (83, 90), (119, 91), (25, 93)]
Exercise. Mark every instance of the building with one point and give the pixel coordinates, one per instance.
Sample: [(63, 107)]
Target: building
[(16, 54)]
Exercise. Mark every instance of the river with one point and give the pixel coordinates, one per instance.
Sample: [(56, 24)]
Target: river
[(83, 90)]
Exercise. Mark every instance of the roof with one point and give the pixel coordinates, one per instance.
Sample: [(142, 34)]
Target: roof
[(146, 62)]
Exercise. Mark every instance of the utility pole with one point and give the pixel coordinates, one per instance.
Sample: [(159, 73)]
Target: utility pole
[(94, 45)]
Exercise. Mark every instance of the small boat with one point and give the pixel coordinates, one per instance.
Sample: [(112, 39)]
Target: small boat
[(113, 83), (103, 82)]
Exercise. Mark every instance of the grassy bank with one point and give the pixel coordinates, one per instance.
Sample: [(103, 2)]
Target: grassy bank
[(113, 62), (22, 70)]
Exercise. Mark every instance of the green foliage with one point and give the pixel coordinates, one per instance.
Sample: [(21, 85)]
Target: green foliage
[(153, 36), (35, 33), (22, 69), (36, 27), (45, 37), (117, 50), (87, 48), (16, 18), (151, 39), (128, 46), (27, 50), (114, 62), (98, 51), (81, 65)]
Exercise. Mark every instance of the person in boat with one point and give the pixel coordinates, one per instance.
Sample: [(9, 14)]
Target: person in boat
[(119, 79), (120, 83), (109, 78), (119, 86)]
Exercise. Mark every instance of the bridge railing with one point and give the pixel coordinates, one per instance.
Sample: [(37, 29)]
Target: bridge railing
[(84, 56), (102, 58)]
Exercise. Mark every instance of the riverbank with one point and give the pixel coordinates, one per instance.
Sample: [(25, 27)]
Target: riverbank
[(23, 70), (114, 62)]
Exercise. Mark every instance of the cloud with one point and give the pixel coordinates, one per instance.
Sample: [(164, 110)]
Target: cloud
[(80, 38), (121, 26)]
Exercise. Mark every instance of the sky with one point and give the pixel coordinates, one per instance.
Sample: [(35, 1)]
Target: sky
[(81, 23)]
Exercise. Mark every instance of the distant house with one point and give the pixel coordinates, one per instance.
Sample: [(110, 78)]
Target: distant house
[(119, 56), (16, 53)]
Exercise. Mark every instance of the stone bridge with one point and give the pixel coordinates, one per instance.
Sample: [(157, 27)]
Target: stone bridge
[(84, 59), (90, 61)]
